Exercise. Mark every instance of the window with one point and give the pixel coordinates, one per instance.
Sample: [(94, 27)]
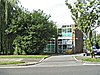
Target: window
[(64, 30), (69, 46), (69, 30)]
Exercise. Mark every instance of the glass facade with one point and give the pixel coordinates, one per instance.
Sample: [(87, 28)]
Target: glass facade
[(64, 41), (50, 47), (67, 34)]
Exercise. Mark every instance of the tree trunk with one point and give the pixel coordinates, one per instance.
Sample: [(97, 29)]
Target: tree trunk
[(56, 44), (91, 44)]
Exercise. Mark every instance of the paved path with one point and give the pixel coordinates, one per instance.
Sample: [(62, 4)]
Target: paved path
[(58, 61)]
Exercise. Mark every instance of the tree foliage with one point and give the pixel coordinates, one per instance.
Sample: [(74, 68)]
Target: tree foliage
[(22, 31), (85, 14), (32, 30), (6, 10)]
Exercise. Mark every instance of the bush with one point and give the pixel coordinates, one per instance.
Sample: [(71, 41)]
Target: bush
[(68, 52)]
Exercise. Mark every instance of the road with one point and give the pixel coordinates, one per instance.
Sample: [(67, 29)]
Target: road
[(55, 65), (69, 70)]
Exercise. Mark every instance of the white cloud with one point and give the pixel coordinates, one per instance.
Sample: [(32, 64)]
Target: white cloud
[(56, 8)]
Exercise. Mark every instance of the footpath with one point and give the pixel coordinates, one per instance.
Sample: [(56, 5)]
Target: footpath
[(27, 62)]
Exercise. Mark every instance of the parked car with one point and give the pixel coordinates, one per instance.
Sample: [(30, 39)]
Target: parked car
[(98, 51), (95, 50), (86, 52)]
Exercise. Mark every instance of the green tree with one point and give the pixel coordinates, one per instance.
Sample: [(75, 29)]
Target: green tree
[(6, 13), (86, 17), (32, 31), (10, 8), (28, 32)]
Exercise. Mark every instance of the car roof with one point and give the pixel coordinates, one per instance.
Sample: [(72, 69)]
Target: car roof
[(94, 47)]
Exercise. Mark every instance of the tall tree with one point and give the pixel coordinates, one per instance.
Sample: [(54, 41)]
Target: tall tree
[(27, 31), (85, 14), (32, 30), (2, 25), (6, 12)]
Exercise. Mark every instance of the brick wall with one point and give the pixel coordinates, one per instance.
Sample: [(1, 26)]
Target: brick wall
[(77, 41)]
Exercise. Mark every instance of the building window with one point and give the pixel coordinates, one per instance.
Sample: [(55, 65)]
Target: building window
[(69, 46), (60, 32), (64, 30), (69, 30)]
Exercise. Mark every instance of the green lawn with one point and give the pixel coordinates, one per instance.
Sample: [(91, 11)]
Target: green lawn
[(88, 59), (23, 56), (91, 60), (11, 62), (19, 56)]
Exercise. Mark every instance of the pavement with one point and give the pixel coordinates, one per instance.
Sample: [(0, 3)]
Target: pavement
[(52, 61), (27, 61)]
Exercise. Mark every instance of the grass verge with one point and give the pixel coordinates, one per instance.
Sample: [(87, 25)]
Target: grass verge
[(23, 56), (88, 59), (10, 63), (91, 60), (19, 56)]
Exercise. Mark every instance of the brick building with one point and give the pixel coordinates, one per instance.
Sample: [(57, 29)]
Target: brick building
[(77, 41)]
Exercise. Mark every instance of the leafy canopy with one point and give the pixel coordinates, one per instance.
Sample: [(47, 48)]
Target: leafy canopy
[(32, 31), (86, 15)]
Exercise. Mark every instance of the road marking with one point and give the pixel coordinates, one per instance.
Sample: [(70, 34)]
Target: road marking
[(91, 64), (75, 58)]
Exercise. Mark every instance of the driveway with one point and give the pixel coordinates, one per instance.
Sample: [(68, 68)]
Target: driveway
[(58, 61), (52, 61)]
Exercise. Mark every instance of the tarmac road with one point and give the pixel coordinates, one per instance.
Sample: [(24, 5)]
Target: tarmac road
[(54, 65), (68, 70), (59, 61)]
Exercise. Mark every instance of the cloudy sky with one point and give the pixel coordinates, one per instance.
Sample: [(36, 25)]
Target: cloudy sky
[(56, 8)]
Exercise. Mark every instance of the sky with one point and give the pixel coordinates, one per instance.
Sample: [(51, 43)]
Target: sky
[(56, 8)]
